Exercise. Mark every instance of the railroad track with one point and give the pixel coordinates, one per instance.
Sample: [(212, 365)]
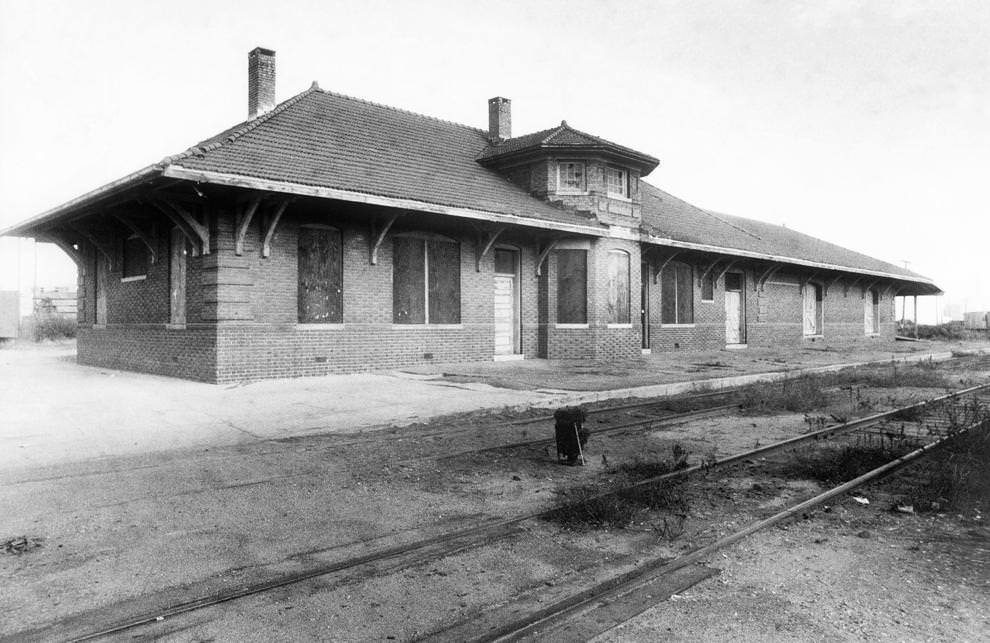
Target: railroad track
[(388, 559)]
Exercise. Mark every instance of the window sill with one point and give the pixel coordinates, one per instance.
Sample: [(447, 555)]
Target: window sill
[(125, 280), (572, 326), (708, 301), (171, 326), (618, 197), (430, 326), (318, 326), (573, 192), (619, 325), (677, 325)]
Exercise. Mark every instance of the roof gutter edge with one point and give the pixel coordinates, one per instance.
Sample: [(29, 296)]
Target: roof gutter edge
[(663, 241), (85, 199), (285, 187)]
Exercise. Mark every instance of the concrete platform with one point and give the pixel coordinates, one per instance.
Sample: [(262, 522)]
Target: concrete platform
[(56, 411)]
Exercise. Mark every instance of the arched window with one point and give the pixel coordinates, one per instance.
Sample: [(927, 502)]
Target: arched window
[(426, 279), (618, 287), (676, 294)]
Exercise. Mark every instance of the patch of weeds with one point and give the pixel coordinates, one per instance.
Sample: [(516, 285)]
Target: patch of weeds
[(794, 394), (838, 464), (955, 477), (52, 327), (592, 507)]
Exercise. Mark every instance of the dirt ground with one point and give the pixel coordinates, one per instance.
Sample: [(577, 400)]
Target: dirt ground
[(120, 533)]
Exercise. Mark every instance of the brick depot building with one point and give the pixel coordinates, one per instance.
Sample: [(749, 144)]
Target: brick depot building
[(328, 234)]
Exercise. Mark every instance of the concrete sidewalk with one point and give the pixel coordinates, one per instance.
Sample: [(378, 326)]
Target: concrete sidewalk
[(56, 411)]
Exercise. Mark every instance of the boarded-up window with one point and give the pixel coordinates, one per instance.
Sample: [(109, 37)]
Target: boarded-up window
[(426, 281), (618, 287), (676, 294), (321, 283), (444, 263), (708, 288), (572, 286), (135, 257)]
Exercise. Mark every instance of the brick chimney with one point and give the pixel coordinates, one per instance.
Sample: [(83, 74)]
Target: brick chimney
[(261, 81), (499, 119)]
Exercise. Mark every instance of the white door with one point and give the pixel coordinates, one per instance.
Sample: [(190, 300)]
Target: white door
[(505, 315), (733, 318), (868, 323), (811, 310)]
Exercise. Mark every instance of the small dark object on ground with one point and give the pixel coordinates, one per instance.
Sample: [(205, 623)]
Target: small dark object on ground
[(19, 545), (570, 433)]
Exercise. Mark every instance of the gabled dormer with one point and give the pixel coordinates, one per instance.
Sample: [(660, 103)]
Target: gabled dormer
[(566, 165)]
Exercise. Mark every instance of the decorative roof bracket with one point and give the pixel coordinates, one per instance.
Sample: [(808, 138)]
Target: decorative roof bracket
[(196, 232), (761, 281), (721, 274), (482, 251), (243, 221), (656, 275), (271, 223), (140, 234), (380, 237), (543, 256)]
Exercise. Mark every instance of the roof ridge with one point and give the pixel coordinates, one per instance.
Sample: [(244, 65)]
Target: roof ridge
[(403, 111), (554, 131), (232, 134)]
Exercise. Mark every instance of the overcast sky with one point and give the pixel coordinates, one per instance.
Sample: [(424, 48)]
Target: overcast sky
[(864, 123)]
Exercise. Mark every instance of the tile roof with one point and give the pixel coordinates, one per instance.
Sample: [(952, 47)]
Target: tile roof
[(328, 140), (561, 136), (668, 217)]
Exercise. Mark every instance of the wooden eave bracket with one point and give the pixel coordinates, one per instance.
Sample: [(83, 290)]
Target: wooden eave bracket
[(140, 234), (805, 282), (701, 277), (271, 224), (862, 294), (543, 256), (656, 275), (829, 285), (63, 243), (845, 290), (890, 290), (101, 247), (242, 222), (727, 268), (197, 233), (760, 283), (486, 248), (379, 237)]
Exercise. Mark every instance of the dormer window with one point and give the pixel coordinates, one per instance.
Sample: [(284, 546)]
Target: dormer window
[(571, 177), (617, 181)]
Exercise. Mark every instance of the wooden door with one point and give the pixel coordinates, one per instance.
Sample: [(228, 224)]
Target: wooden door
[(505, 298), (177, 276), (644, 305), (735, 314)]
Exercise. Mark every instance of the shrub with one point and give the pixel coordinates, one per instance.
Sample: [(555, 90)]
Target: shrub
[(52, 327), (838, 464)]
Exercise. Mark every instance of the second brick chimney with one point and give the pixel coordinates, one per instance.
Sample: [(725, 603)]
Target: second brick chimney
[(499, 119), (261, 81)]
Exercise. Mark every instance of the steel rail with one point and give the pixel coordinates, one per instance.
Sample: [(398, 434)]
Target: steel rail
[(486, 532), (551, 615)]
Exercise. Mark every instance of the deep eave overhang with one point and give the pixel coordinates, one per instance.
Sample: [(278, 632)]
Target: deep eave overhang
[(36, 225), (925, 286), (643, 162), (31, 226)]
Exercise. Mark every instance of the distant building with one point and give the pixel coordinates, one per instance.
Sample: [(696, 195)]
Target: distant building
[(977, 320), (328, 234)]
